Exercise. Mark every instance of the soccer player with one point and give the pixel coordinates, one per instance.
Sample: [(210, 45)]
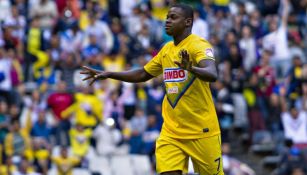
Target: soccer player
[(190, 127)]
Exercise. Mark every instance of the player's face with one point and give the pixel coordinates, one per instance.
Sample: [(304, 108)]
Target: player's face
[(175, 22)]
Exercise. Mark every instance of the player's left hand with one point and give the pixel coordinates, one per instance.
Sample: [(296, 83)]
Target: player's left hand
[(185, 64)]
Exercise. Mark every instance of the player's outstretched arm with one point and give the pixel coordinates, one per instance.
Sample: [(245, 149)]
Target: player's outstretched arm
[(133, 76), (205, 70)]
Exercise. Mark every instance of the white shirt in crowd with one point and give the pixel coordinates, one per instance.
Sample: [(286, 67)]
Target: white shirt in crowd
[(5, 9), (200, 28), (47, 13), (128, 89), (103, 33), (107, 139), (70, 41), (126, 7), (278, 43), (5, 68), (248, 48), (295, 129)]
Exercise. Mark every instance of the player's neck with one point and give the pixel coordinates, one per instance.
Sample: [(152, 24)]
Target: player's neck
[(179, 38)]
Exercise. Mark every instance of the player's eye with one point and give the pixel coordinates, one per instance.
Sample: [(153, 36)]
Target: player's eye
[(171, 16)]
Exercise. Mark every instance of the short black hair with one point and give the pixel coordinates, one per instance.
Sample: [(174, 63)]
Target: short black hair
[(187, 10)]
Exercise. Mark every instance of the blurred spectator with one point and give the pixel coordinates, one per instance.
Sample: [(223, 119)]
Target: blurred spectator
[(248, 48), (294, 122), (65, 163), (18, 23), (22, 7), (71, 7), (80, 143), (293, 78), (230, 40), (5, 69), (55, 50), (4, 121), (8, 166), (220, 24), (221, 4), (88, 8), (71, 40), (276, 41), (231, 165), (274, 121), (14, 114), (268, 7), (301, 102), (47, 13), (134, 22), (114, 108), (296, 49), (18, 142), (92, 48), (140, 91), (58, 101), (41, 151), (126, 8), (5, 9), (138, 126), (86, 109), (114, 61), (16, 68), (68, 68), (94, 61), (101, 31), (25, 167), (130, 100), (266, 81), (200, 26), (150, 135), (40, 128), (107, 137), (155, 96), (292, 161), (145, 40), (36, 43), (224, 108), (33, 104)]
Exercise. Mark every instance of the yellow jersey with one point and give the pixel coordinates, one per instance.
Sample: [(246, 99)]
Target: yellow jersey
[(87, 108), (188, 109), (65, 165), (80, 141), (221, 2)]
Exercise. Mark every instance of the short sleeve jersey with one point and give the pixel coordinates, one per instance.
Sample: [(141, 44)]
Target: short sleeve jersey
[(188, 109)]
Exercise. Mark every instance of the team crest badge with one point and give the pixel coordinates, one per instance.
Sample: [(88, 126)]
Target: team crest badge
[(209, 52)]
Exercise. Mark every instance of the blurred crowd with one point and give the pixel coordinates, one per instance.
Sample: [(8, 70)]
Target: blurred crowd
[(260, 51)]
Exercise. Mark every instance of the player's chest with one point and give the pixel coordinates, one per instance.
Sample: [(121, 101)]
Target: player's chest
[(171, 72)]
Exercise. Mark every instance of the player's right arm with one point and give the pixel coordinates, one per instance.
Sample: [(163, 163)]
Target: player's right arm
[(152, 69), (133, 76)]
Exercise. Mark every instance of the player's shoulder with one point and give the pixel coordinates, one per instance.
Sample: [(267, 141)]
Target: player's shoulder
[(166, 46), (198, 42), (199, 39)]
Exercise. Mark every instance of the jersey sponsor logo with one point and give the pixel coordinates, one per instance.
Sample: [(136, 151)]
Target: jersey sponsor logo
[(173, 90), (174, 75), (209, 52)]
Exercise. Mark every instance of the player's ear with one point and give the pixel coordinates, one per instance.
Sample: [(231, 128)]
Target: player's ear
[(188, 22)]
